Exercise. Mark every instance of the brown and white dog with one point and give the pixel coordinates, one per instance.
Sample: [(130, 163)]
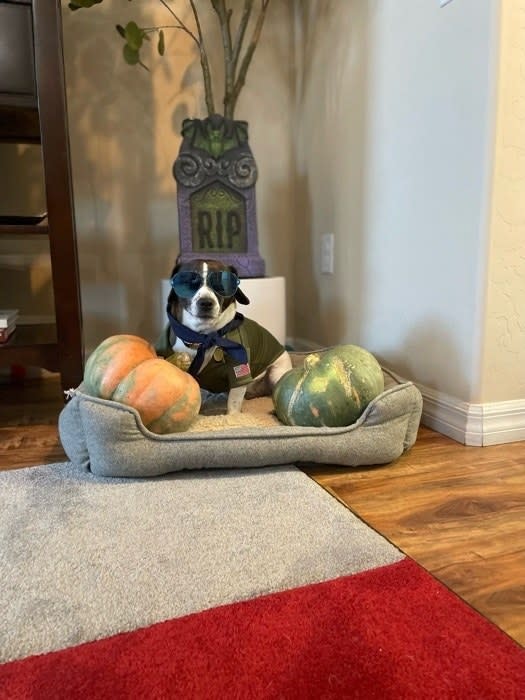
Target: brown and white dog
[(229, 352)]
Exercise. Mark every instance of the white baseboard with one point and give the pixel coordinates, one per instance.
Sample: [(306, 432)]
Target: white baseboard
[(452, 417), (503, 422), (473, 424)]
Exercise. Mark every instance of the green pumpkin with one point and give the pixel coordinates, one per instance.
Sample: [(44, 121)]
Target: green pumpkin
[(332, 388)]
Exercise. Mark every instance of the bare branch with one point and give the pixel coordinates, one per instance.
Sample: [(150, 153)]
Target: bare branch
[(224, 16), (245, 64), (150, 30), (241, 30), (235, 65), (181, 23), (205, 65)]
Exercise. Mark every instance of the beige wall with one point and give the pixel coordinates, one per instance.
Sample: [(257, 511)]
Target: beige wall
[(503, 376), (410, 149), (396, 109), (124, 130)]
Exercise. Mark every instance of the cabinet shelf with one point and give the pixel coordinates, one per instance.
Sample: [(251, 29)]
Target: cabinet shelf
[(33, 110), (18, 124), (40, 229), (32, 345)]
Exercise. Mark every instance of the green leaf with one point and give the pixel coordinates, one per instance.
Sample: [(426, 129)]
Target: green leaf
[(131, 55), (161, 46), (120, 29), (134, 35)]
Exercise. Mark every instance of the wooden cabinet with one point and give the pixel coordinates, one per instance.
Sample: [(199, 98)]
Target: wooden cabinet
[(33, 110)]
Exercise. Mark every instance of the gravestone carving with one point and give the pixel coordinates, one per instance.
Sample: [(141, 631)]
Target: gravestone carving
[(216, 174)]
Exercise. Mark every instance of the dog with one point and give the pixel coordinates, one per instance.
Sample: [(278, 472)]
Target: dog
[(229, 353)]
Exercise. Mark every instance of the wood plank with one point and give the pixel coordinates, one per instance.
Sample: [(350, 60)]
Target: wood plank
[(458, 511), (29, 445)]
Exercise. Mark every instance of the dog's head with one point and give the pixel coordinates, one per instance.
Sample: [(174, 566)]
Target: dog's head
[(204, 293)]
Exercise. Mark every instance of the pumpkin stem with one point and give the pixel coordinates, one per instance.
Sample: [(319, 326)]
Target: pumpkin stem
[(311, 360)]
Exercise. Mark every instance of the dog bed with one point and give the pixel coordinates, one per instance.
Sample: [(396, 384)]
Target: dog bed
[(110, 439)]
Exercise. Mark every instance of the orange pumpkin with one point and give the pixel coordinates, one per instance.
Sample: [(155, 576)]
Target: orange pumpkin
[(112, 360), (167, 399)]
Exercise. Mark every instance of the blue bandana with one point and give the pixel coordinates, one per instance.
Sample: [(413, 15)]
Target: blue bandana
[(208, 340)]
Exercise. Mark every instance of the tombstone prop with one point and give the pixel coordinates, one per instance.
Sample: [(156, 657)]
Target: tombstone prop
[(216, 174)]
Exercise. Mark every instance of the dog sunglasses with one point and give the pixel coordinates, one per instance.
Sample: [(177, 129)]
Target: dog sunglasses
[(223, 282)]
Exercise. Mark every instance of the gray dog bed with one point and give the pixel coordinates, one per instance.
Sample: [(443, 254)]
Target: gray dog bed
[(110, 439)]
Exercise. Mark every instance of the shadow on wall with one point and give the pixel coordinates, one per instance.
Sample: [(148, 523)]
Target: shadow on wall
[(311, 310), (430, 344), (331, 153), (124, 125), (305, 297), (275, 199)]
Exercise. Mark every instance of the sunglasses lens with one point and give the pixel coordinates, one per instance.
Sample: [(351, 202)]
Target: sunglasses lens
[(185, 283), (224, 283)]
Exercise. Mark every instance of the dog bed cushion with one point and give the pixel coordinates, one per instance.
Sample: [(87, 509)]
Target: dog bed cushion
[(110, 439)]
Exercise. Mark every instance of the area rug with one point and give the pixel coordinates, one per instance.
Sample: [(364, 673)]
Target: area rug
[(246, 583)]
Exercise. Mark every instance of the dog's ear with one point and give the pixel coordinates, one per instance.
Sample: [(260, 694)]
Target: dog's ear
[(176, 267), (172, 297), (240, 296)]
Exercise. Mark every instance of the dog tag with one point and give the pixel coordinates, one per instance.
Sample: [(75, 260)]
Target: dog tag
[(218, 355), (182, 360)]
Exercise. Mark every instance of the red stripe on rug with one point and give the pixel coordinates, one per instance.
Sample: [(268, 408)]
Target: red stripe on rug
[(393, 632)]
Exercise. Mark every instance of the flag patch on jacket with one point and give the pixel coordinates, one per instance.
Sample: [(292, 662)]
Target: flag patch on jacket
[(242, 370)]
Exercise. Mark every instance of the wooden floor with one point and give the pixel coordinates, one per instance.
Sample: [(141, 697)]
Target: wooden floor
[(458, 511)]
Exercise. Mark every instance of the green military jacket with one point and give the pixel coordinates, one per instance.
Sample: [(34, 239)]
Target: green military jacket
[(220, 374)]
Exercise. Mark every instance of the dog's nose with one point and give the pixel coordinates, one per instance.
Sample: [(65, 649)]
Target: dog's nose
[(205, 304)]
